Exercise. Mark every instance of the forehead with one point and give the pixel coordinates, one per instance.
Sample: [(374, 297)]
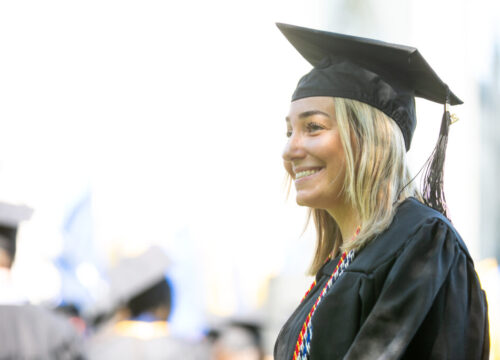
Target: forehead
[(311, 104)]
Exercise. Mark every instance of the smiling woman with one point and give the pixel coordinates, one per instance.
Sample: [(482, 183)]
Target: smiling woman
[(314, 156), (393, 278), (336, 158)]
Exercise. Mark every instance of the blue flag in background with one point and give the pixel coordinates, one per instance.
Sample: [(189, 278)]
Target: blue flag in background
[(79, 263)]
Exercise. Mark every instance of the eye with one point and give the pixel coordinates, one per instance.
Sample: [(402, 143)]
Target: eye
[(313, 126), (288, 133)]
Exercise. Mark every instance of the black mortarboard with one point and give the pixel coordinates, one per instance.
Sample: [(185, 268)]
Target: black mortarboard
[(383, 75), (10, 217)]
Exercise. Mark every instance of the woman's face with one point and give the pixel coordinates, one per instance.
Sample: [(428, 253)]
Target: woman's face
[(314, 156)]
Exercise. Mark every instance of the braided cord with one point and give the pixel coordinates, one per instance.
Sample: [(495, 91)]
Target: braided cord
[(302, 347)]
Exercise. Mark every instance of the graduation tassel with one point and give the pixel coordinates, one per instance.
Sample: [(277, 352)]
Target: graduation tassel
[(432, 187)]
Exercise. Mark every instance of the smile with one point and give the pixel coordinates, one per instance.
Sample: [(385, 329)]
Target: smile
[(302, 174)]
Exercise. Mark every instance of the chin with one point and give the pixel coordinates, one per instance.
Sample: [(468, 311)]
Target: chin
[(307, 201), (319, 201)]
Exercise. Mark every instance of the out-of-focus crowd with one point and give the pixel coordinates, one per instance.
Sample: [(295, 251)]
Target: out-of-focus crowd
[(133, 324)]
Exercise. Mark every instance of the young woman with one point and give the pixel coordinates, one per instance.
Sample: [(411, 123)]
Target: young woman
[(393, 278)]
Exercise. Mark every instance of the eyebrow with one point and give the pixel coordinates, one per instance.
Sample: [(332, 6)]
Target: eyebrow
[(309, 113)]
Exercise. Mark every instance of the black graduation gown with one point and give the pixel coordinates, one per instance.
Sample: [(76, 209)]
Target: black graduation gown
[(411, 293)]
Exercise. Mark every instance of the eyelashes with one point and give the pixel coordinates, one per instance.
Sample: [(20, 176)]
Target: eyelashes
[(310, 127), (313, 126)]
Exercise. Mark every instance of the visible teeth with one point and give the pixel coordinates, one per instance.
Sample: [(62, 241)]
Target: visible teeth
[(305, 173)]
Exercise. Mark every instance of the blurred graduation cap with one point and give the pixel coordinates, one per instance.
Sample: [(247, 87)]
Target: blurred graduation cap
[(132, 276), (384, 75), (10, 217)]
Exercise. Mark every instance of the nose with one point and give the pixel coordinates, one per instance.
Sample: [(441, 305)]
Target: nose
[(294, 148)]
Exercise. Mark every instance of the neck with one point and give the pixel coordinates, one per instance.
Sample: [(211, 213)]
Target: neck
[(347, 219)]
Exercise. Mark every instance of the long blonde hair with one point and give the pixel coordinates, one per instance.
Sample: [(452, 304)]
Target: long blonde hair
[(376, 180)]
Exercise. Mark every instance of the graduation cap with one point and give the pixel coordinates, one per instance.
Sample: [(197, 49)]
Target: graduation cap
[(10, 217), (135, 278), (133, 275), (384, 75)]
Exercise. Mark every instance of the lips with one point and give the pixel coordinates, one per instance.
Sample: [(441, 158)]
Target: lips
[(302, 173)]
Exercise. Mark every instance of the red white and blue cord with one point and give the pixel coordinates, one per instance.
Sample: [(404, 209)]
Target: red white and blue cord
[(302, 348)]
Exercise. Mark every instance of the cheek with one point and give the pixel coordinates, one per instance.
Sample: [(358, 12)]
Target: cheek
[(329, 150), (335, 158)]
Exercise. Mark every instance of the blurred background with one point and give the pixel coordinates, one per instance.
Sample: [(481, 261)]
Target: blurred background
[(132, 124)]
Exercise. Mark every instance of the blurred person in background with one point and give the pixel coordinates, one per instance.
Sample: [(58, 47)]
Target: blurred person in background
[(138, 325), (72, 313), (393, 278), (237, 341), (28, 331)]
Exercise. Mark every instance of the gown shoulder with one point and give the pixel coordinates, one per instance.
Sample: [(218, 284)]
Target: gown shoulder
[(428, 301)]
